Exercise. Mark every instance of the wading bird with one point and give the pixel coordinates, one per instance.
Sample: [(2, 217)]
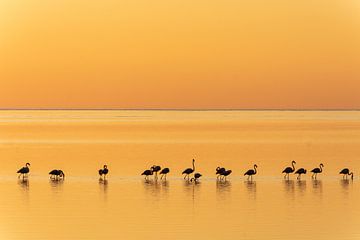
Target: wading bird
[(251, 172), (155, 169), (147, 173), (189, 171), (24, 170), (346, 172), (299, 172), (289, 170), (196, 177), (164, 172), (315, 171), (104, 171), (56, 174), (219, 170), (225, 174)]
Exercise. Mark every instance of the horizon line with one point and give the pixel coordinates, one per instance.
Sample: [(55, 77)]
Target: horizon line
[(179, 109)]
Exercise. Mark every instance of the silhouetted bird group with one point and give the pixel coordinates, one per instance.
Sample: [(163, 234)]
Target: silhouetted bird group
[(221, 172), (300, 171), (155, 169)]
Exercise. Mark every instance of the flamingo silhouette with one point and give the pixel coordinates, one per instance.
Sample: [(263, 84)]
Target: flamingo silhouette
[(346, 172), (219, 170), (164, 172), (289, 170), (147, 173), (155, 169), (196, 177), (299, 172), (104, 171), (24, 170), (251, 172), (57, 174), (315, 171), (189, 171), (225, 174)]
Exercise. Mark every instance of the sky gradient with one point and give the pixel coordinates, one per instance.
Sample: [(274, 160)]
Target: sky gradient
[(180, 54)]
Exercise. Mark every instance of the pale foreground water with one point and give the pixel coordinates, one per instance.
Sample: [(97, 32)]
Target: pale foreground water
[(127, 207)]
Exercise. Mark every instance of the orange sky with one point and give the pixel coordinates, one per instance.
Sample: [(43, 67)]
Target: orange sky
[(180, 54)]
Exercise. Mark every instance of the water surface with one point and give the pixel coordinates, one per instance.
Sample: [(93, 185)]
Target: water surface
[(125, 206)]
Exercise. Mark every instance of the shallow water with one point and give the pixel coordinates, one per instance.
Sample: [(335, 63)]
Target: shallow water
[(125, 206)]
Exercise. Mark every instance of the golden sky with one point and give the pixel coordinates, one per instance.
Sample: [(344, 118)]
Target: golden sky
[(180, 54)]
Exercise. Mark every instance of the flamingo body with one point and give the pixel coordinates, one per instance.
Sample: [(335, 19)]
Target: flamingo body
[(147, 173), (315, 171), (189, 171), (300, 171), (24, 170), (56, 173), (251, 172), (346, 172), (289, 170), (164, 172), (104, 171)]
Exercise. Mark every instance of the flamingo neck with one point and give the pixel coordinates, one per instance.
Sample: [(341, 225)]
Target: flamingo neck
[(293, 166), (320, 168), (193, 165), (255, 168)]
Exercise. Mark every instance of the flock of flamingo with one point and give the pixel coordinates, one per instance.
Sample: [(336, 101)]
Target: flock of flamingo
[(221, 172)]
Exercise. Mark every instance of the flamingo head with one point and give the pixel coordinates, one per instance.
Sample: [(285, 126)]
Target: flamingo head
[(293, 162), (322, 165), (27, 164), (105, 166), (255, 166)]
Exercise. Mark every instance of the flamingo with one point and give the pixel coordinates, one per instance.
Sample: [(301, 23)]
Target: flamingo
[(104, 171), (315, 171), (189, 171), (147, 173), (219, 170), (289, 170), (225, 174), (164, 172), (196, 177), (347, 172), (299, 172), (24, 170), (251, 172), (57, 174), (155, 169)]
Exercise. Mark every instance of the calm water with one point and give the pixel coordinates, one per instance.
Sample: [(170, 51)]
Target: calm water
[(127, 207)]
